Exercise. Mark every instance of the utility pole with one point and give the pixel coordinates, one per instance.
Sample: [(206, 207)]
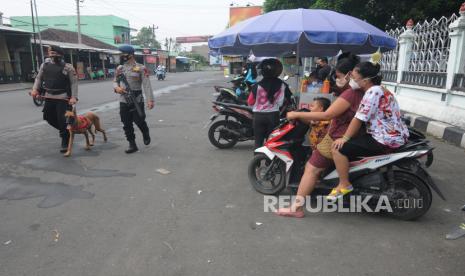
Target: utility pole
[(34, 49), (38, 31), (153, 34), (79, 21)]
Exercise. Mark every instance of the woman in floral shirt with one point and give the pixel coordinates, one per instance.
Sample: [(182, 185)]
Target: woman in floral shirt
[(380, 113)]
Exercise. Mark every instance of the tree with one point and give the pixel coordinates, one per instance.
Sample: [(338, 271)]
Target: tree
[(381, 13), (272, 5), (146, 39), (392, 14)]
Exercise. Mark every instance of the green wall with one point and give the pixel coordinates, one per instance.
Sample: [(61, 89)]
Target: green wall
[(103, 28)]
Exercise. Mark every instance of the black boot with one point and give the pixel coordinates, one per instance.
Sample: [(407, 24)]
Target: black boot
[(146, 136), (64, 144), (132, 147)]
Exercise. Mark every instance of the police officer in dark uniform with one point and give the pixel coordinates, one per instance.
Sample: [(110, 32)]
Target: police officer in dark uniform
[(137, 77), (59, 81)]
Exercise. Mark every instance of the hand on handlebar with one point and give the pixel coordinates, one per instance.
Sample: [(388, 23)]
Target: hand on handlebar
[(292, 115)]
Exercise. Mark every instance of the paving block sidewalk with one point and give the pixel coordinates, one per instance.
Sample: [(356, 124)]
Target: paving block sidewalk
[(28, 85), (447, 132), (15, 86)]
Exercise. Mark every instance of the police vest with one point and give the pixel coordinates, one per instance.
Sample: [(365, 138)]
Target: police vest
[(55, 81)]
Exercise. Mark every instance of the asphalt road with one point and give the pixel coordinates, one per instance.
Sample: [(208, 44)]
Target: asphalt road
[(106, 213)]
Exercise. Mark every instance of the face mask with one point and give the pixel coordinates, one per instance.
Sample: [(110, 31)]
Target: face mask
[(56, 59), (341, 83), (353, 84), (123, 59)]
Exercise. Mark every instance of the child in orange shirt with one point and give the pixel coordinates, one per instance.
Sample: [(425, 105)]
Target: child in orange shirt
[(319, 128)]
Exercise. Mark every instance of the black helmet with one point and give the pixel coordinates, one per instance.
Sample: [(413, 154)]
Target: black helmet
[(271, 68), (126, 49), (57, 49)]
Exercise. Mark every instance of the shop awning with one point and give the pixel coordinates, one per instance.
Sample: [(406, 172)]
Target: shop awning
[(66, 45), (10, 29)]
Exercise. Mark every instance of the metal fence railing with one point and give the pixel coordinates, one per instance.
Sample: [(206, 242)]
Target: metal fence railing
[(435, 79)]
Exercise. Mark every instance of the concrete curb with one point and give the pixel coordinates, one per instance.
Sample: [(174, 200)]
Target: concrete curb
[(449, 133)]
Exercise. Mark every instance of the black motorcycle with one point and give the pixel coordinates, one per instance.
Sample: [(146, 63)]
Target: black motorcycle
[(38, 101), (237, 124), (229, 95)]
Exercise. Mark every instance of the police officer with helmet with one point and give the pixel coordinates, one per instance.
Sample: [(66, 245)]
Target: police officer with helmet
[(59, 82), (137, 77)]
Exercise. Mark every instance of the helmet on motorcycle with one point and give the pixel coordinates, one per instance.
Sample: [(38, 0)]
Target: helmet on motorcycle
[(271, 68)]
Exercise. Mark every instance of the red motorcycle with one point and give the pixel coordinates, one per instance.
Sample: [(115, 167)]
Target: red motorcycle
[(400, 176)]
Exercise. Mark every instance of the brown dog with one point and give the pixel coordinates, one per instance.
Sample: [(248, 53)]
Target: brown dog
[(82, 124)]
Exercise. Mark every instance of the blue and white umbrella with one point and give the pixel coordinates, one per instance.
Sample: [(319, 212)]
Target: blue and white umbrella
[(308, 32)]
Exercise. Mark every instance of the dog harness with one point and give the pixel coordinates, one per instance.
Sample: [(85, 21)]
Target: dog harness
[(85, 123)]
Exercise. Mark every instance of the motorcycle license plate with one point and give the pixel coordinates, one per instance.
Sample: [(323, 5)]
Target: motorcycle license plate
[(212, 118)]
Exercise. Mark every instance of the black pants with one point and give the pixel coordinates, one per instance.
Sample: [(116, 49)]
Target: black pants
[(263, 125), (129, 115), (362, 146), (54, 114)]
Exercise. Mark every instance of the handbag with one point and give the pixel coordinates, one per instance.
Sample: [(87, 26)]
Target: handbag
[(324, 147)]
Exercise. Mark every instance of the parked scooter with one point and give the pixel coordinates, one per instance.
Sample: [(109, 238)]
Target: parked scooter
[(39, 100), (237, 123), (238, 94), (399, 175)]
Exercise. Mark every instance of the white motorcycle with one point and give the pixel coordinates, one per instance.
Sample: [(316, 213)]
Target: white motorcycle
[(399, 176)]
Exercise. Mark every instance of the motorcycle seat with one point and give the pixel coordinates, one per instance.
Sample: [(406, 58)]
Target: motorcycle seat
[(238, 106), (410, 145)]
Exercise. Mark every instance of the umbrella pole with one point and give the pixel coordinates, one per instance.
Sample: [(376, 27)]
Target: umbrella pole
[(297, 76)]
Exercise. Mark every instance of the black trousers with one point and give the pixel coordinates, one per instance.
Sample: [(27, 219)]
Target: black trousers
[(263, 125), (362, 146), (129, 115), (54, 114)]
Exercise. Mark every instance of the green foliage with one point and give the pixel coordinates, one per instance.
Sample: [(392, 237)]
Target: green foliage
[(381, 13), (146, 39), (392, 14), (272, 5)]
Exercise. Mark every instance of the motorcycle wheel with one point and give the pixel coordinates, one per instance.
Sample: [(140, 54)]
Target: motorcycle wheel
[(223, 140), (38, 101), (411, 198), (270, 184)]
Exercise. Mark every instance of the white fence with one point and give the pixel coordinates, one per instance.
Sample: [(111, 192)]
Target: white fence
[(427, 69)]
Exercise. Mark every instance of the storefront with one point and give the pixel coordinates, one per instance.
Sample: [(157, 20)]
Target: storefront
[(16, 63)]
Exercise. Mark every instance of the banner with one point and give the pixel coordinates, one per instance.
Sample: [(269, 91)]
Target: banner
[(192, 39), (238, 14)]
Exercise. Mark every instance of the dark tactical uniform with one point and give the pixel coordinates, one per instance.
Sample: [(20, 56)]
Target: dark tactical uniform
[(138, 79), (60, 83)]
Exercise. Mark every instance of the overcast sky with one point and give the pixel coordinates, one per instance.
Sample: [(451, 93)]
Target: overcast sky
[(173, 17)]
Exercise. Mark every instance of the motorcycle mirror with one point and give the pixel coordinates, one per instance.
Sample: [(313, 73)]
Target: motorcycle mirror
[(286, 77)]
